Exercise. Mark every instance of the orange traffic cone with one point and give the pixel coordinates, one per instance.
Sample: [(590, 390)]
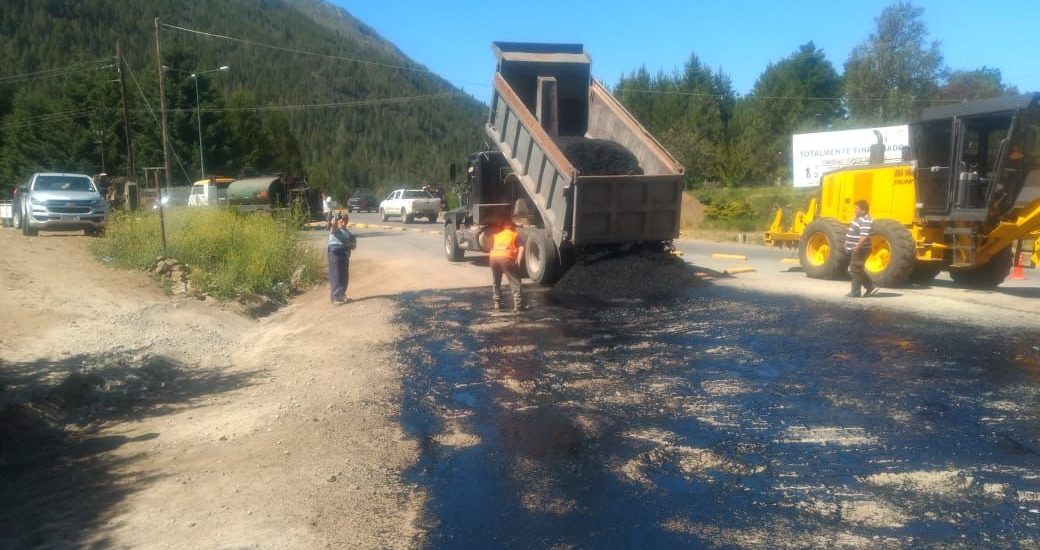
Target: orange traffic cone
[(1016, 272)]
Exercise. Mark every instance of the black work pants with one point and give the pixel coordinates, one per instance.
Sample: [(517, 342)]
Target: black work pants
[(858, 272), (500, 266)]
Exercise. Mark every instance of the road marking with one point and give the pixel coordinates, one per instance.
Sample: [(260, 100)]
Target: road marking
[(790, 261), (728, 257), (735, 270)]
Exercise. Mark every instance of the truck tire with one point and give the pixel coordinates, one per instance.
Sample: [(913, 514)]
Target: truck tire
[(16, 215), (892, 254), (452, 250), (986, 276), (821, 250), (541, 258), (382, 214), (924, 272), (27, 230)]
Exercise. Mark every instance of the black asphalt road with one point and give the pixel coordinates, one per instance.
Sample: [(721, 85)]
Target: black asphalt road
[(723, 418)]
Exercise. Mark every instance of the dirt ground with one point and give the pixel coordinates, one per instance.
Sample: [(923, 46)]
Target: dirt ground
[(134, 419), (130, 418)]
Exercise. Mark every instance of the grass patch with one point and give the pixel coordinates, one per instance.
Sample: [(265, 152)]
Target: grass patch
[(229, 253), (748, 209), (737, 214)]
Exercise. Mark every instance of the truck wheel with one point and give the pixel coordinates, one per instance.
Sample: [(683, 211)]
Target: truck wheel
[(541, 258), (924, 272), (821, 250), (16, 215), (26, 229), (892, 254), (382, 214), (986, 276), (452, 250)]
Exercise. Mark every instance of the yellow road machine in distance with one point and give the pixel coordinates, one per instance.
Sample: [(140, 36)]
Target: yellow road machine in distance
[(966, 191)]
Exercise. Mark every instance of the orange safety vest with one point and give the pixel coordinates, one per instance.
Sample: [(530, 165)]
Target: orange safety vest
[(505, 245)]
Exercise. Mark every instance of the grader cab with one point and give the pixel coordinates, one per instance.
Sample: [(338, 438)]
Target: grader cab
[(969, 192)]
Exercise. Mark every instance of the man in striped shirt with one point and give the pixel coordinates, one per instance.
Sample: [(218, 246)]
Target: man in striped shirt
[(857, 244)]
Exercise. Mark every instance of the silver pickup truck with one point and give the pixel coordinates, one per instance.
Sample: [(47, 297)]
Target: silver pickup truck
[(60, 202)]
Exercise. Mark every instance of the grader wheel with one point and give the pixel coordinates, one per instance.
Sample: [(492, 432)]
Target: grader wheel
[(821, 249), (892, 254), (986, 276), (924, 272)]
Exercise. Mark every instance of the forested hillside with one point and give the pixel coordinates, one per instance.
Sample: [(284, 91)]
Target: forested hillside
[(360, 114)]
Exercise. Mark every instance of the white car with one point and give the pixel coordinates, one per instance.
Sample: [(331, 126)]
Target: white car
[(410, 204)]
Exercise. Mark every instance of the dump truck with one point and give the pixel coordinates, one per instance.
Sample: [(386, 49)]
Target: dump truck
[(966, 193), (544, 93)]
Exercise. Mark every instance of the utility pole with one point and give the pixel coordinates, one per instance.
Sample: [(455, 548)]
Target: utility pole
[(165, 144), (126, 117), (101, 139)]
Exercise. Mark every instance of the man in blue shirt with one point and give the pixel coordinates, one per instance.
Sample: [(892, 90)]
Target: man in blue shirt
[(341, 242), (857, 244)]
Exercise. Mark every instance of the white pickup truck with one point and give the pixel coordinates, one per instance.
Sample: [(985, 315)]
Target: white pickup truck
[(410, 204), (54, 201)]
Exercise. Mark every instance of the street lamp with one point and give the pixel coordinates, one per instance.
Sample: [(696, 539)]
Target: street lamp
[(198, 114)]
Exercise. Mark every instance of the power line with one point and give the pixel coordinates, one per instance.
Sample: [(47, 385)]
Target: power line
[(800, 98), (49, 117), (56, 72), (356, 103), (297, 51), (155, 118), (318, 54)]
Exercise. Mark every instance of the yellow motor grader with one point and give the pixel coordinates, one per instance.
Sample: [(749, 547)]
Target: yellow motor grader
[(967, 190)]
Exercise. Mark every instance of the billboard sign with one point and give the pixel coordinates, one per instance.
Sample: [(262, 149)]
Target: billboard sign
[(818, 153)]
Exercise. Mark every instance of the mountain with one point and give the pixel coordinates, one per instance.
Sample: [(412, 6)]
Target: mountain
[(360, 114)]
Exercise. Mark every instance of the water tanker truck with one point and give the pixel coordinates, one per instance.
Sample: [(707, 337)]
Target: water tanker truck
[(571, 166)]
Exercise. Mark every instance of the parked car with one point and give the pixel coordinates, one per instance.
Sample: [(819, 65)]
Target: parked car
[(60, 202), (362, 201), (410, 204)]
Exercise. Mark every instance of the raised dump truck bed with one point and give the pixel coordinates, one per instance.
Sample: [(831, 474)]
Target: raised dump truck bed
[(545, 91)]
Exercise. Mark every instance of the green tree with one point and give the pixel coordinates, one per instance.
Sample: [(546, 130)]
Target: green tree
[(689, 111), (800, 93), (981, 83), (891, 75)]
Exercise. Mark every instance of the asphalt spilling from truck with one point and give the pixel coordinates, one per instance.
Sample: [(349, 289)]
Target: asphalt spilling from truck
[(717, 418)]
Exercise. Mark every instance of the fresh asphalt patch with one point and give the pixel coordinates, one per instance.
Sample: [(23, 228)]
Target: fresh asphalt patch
[(719, 418)]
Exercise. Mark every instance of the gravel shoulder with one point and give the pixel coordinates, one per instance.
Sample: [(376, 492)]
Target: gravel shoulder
[(135, 419)]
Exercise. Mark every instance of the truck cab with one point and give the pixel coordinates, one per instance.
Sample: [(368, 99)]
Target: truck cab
[(210, 192)]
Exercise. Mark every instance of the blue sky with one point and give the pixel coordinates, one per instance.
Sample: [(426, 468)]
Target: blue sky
[(453, 38)]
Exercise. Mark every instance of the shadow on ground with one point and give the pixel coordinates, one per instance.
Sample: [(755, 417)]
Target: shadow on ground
[(59, 482)]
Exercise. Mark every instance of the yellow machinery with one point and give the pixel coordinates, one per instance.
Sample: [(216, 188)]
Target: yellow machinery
[(970, 192)]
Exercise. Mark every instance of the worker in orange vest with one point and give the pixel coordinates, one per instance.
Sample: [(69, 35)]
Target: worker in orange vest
[(506, 254)]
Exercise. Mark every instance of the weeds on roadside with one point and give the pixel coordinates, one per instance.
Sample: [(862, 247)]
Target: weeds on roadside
[(748, 209), (229, 253)]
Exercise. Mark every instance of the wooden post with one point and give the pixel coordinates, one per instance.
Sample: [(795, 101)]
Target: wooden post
[(126, 117), (165, 143)]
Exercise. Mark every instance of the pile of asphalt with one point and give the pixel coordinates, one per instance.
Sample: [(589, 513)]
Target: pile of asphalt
[(598, 157), (627, 274)]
